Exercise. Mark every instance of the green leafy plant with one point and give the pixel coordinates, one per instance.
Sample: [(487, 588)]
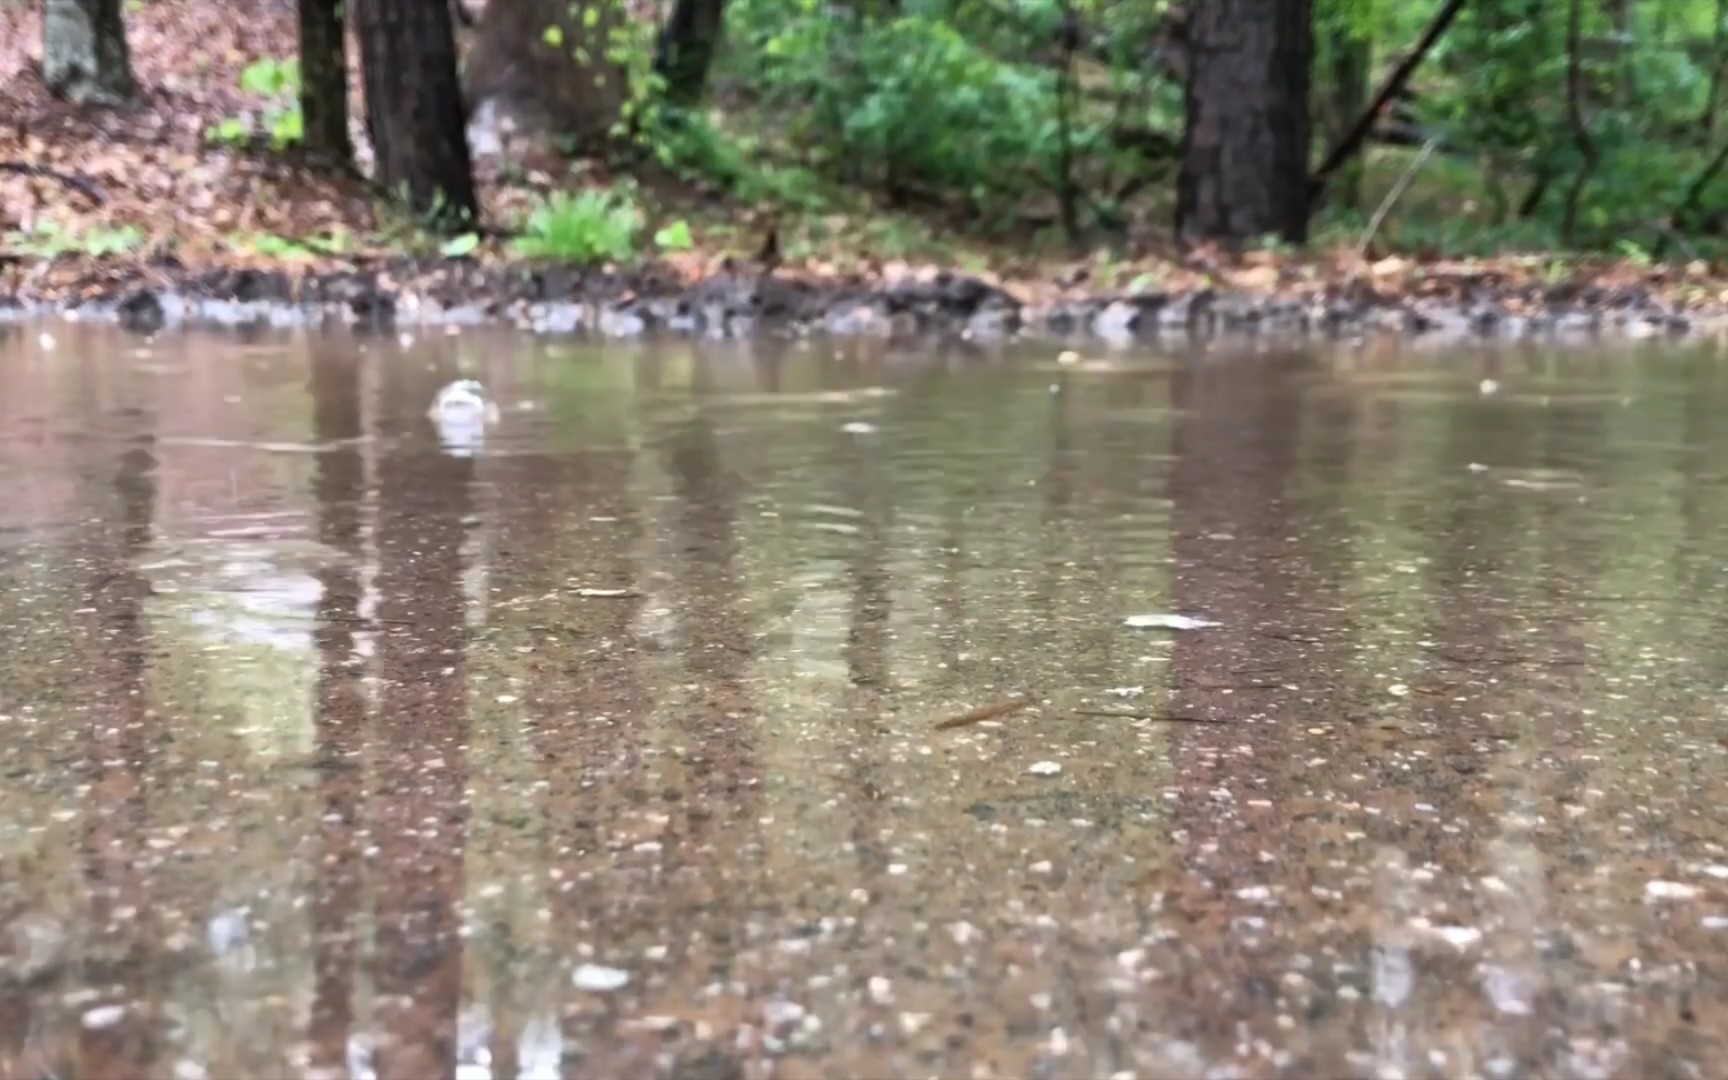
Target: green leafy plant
[(278, 83), (590, 227), (50, 240), (674, 237), (458, 247)]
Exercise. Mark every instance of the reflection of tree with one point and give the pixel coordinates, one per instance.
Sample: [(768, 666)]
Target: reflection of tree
[(1237, 447), (340, 712), (715, 628), (116, 933), (867, 653), (417, 812)]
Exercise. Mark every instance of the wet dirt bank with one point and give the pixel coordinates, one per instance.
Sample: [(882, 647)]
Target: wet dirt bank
[(1438, 305)]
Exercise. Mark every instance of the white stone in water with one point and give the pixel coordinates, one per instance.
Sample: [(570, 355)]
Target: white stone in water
[(1044, 768), (103, 1016), (1668, 890), (1459, 937), (1167, 622), (881, 990), (46, 341), (858, 427), (598, 978)]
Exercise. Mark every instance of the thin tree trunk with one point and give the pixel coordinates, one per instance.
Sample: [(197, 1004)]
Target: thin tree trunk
[(84, 54), (1351, 58), (1708, 120), (1689, 202), (1352, 143), (686, 48), (1575, 116), (1246, 134), (1067, 190), (324, 80), (414, 111)]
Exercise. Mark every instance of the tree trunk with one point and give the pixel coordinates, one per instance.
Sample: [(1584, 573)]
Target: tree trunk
[(1246, 136), (84, 54), (324, 80), (686, 48), (547, 66), (414, 111)]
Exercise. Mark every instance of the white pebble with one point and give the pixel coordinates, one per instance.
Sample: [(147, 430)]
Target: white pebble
[(1669, 890), (858, 427), (1044, 768), (599, 979), (103, 1016), (881, 990)]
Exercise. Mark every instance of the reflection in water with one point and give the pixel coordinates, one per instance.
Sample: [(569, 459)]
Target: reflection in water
[(416, 811), (339, 716), (607, 746)]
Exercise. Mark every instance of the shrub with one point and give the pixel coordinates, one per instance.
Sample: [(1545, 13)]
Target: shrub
[(590, 227)]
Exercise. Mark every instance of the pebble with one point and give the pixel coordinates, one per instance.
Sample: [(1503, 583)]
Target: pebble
[(599, 979), (1668, 890), (1044, 768)]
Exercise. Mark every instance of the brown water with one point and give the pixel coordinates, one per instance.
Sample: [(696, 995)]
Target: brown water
[(319, 760)]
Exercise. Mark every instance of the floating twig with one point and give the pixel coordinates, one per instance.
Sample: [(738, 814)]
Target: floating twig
[(1162, 718), (984, 712)]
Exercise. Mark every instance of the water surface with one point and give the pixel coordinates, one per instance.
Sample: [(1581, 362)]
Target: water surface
[(608, 745)]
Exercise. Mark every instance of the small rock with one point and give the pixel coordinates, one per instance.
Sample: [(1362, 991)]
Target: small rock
[(599, 979), (103, 1016), (1044, 768), (1655, 891), (141, 312)]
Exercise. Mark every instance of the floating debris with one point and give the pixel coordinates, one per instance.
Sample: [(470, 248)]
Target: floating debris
[(608, 594), (1124, 714), (461, 413), (1656, 891), (1044, 768), (103, 1016), (858, 427), (984, 712), (599, 979), (1168, 622)]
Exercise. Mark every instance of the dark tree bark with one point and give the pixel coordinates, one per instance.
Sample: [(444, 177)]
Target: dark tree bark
[(1246, 136), (414, 111), (84, 54), (564, 83), (686, 48), (324, 80)]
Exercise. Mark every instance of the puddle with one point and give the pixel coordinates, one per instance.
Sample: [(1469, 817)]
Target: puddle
[(608, 738)]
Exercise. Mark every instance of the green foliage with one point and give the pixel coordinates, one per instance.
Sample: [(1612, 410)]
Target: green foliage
[(336, 244), (951, 102), (461, 246), (49, 240), (674, 237), (587, 228), (278, 83)]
